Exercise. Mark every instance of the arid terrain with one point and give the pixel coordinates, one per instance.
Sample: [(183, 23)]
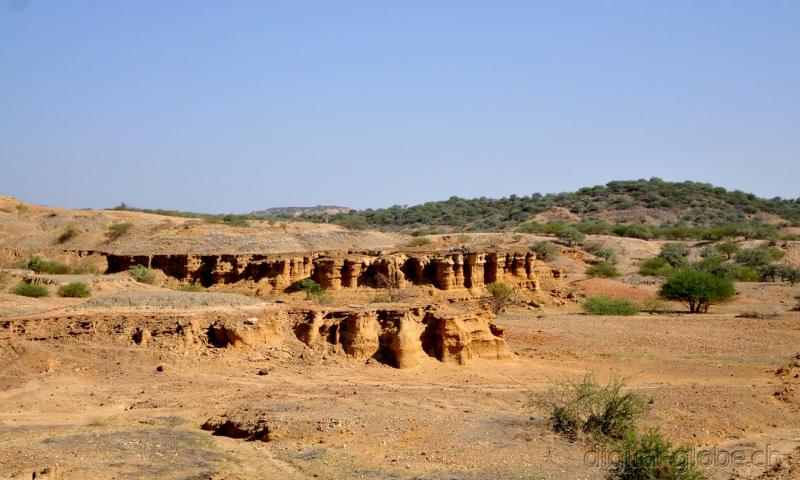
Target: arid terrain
[(221, 369)]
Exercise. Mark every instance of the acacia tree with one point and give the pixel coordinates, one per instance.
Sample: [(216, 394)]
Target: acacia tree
[(571, 236), (502, 296), (729, 249), (696, 289)]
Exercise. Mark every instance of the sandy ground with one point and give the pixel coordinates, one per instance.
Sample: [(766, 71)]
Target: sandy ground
[(98, 410), (97, 405)]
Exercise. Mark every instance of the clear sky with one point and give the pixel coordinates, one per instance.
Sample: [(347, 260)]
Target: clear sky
[(231, 106)]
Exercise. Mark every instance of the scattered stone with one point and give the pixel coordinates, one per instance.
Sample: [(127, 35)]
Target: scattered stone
[(250, 429)]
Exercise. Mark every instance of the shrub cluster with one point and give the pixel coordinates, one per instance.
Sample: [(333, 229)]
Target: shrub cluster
[(419, 242), (40, 265), (672, 256), (718, 266), (772, 272), (74, 290), (656, 267), (191, 287), (584, 407), (117, 230), (650, 456), (68, 234), (605, 305), (602, 270), (608, 415), (601, 250), (571, 236), (545, 250), (142, 274), (26, 289)]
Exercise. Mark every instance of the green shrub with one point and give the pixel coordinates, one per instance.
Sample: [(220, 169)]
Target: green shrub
[(651, 457), (68, 234), (675, 254), (117, 230), (501, 296), (754, 257), (312, 288), (769, 273), (545, 250), (655, 267), (583, 406), (644, 232), (21, 208), (571, 236), (29, 290), (745, 274), (602, 251), (191, 287), (605, 305), (419, 242), (235, 220), (717, 266), (696, 289), (74, 290), (776, 253), (352, 223), (602, 270), (142, 274), (40, 265), (789, 274)]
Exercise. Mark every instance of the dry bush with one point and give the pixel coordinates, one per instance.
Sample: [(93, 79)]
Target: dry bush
[(582, 406)]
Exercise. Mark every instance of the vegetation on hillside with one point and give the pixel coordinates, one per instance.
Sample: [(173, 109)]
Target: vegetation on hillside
[(692, 203), (642, 208)]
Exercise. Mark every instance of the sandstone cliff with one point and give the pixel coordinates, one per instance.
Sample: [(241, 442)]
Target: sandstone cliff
[(402, 337), (451, 270)]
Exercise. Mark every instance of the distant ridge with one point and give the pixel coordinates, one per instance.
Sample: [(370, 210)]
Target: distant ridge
[(653, 202), (318, 210)]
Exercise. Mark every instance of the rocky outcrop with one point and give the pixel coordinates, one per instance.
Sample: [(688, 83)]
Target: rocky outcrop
[(399, 336), (273, 272), (248, 427), (251, 332), (402, 337), (459, 339)]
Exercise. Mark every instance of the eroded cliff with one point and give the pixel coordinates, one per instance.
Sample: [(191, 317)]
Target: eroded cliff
[(450, 270), (399, 336)]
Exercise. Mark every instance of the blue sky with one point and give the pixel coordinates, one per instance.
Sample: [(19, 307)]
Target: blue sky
[(231, 106)]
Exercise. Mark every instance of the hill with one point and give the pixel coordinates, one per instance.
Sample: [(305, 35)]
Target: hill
[(652, 202)]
